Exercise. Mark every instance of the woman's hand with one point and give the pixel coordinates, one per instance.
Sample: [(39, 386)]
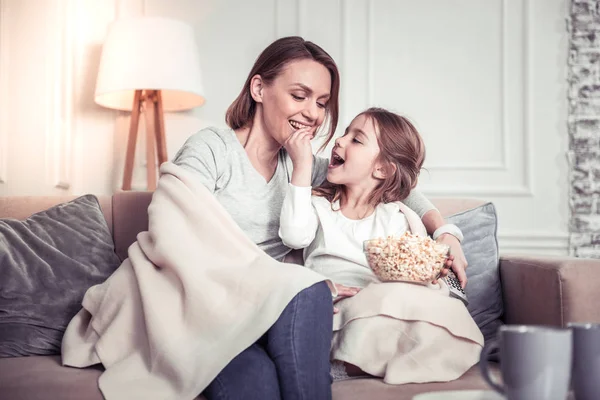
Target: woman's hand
[(457, 260), (300, 151), (343, 292)]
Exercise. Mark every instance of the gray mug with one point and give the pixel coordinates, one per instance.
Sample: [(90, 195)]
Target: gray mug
[(586, 361), (535, 362)]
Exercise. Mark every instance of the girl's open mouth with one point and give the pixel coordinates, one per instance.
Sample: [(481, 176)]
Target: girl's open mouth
[(335, 161)]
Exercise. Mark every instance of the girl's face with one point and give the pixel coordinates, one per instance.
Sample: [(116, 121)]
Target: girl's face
[(354, 157), (297, 98)]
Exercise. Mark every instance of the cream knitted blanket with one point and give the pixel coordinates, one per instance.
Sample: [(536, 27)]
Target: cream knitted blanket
[(406, 333), (194, 293)]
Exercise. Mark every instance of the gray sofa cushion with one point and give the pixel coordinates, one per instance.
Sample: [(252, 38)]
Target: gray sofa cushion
[(480, 245), (47, 262)]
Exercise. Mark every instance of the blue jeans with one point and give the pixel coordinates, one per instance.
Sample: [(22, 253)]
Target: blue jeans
[(291, 361)]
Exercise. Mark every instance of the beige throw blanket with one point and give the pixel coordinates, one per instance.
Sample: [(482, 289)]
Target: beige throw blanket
[(194, 293), (406, 333)]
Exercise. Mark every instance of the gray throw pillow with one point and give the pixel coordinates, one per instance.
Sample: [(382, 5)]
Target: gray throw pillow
[(480, 245), (47, 262)]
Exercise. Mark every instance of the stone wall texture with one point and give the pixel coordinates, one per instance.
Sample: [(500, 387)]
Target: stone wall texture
[(584, 127)]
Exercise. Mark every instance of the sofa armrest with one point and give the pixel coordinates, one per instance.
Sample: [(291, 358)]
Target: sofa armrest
[(550, 290)]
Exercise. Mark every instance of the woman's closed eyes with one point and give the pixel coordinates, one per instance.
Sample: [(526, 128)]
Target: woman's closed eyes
[(302, 98)]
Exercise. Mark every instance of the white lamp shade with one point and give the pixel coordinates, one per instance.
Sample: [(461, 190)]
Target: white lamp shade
[(150, 53)]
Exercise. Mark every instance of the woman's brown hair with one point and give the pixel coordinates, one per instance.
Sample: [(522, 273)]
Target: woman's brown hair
[(400, 146), (269, 65)]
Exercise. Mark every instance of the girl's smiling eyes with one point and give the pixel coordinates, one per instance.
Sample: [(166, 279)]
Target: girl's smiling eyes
[(354, 138)]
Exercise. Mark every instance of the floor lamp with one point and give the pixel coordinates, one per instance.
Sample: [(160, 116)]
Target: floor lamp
[(149, 65)]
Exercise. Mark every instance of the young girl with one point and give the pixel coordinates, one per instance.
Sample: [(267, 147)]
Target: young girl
[(399, 331)]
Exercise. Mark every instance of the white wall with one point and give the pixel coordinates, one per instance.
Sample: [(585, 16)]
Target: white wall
[(483, 80)]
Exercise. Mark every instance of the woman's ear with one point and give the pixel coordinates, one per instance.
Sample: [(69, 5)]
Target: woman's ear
[(256, 88), (383, 170)]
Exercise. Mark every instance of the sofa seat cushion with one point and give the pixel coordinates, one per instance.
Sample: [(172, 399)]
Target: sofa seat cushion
[(375, 389), (43, 377)]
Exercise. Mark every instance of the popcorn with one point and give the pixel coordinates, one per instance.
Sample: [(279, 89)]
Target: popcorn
[(409, 258)]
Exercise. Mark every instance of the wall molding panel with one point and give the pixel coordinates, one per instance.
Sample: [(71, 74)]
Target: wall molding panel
[(502, 165), (60, 89), (370, 33), (528, 91), (287, 17), (511, 171), (464, 190), (526, 188), (4, 89), (534, 242)]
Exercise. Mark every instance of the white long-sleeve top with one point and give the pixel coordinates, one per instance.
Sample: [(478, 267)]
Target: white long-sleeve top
[(333, 243)]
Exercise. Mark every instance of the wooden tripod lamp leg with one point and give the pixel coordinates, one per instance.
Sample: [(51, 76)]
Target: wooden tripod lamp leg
[(159, 123), (133, 130), (149, 112), (151, 100)]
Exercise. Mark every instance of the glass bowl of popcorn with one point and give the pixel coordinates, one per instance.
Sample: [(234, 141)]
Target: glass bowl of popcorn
[(406, 258)]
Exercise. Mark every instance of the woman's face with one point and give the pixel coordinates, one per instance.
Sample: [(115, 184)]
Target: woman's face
[(295, 99)]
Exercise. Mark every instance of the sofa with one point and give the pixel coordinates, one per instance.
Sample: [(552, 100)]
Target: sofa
[(538, 290)]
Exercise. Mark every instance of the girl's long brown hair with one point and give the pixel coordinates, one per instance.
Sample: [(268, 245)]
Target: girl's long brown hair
[(400, 145), (269, 65)]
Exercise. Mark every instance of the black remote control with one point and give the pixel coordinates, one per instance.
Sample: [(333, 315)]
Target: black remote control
[(456, 290)]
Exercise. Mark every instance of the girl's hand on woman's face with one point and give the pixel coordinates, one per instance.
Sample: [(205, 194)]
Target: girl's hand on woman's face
[(299, 148)]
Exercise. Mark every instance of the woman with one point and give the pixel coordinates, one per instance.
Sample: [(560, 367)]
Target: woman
[(293, 85)]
